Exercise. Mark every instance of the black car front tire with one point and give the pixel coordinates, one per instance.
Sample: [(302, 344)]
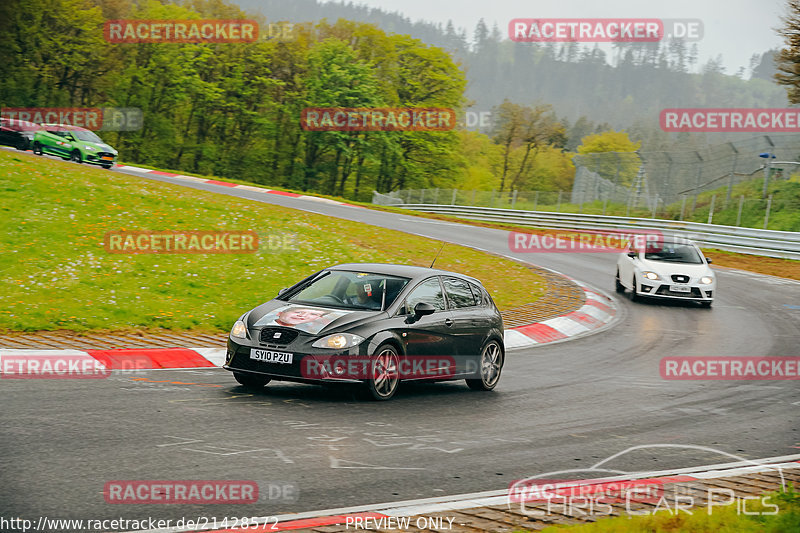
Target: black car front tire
[(37, 148), (634, 296), (251, 381), (76, 156), (618, 284), (384, 369), (491, 365), (23, 144)]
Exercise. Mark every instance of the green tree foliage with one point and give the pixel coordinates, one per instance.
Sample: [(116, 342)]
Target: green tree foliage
[(612, 154), (233, 109), (524, 132), (788, 58)]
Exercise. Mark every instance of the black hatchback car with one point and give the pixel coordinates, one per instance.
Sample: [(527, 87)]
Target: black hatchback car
[(17, 133), (375, 325)]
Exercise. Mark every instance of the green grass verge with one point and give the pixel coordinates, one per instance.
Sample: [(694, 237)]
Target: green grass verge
[(56, 273), (728, 519), (786, 268)]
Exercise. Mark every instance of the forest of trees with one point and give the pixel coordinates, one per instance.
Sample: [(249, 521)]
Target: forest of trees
[(233, 109)]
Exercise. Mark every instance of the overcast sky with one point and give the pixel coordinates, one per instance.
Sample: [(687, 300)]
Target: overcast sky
[(734, 28)]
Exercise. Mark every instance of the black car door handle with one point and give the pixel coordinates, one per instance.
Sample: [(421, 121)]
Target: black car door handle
[(448, 322)]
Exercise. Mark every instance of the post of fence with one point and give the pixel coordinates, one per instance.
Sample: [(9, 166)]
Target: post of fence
[(514, 199), (683, 206), (453, 200), (473, 197), (436, 195), (730, 176), (711, 209), (558, 207), (422, 196), (605, 203), (491, 202), (536, 200), (655, 207), (739, 214), (766, 215), (628, 204)]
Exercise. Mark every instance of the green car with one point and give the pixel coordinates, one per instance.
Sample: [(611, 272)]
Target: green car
[(74, 144)]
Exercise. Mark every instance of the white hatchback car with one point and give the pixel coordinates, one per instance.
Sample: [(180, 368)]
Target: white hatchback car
[(672, 268)]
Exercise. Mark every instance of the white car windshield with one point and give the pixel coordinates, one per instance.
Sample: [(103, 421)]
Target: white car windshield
[(674, 253)]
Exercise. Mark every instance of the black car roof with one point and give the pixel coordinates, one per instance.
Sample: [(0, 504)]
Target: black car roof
[(19, 125), (406, 271)]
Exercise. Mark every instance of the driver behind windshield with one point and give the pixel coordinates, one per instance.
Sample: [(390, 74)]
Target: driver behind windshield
[(368, 294)]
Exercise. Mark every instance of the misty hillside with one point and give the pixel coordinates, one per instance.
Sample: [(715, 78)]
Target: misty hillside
[(629, 87)]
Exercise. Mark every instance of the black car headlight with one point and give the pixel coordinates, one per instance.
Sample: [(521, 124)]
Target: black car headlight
[(239, 330), (337, 341)]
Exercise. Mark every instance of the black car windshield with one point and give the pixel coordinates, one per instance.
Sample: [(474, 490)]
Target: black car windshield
[(87, 136), (674, 253), (352, 290)]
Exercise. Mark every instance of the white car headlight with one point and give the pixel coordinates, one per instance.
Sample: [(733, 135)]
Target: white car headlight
[(239, 330), (87, 147), (337, 341), (706, 280), (650, 275)]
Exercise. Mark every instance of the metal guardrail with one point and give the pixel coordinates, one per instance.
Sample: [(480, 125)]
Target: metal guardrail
[(770, 243)]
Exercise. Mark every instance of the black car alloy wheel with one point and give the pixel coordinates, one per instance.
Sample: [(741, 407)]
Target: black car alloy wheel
[(490, 366), (384, 373)]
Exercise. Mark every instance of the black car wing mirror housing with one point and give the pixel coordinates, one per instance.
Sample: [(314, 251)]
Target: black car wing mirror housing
[(633, 255), (422, 309), (708, 260)]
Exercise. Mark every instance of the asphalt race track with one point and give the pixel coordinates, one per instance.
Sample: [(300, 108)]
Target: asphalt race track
[(561, 406)]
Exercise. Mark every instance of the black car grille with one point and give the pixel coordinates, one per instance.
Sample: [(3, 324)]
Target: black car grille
[(101, 154), (680, 278), (664, 291), (277, 336)]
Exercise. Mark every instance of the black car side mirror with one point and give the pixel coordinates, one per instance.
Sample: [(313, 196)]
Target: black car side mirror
[(633, 255), (708, 260), (422, 309)]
